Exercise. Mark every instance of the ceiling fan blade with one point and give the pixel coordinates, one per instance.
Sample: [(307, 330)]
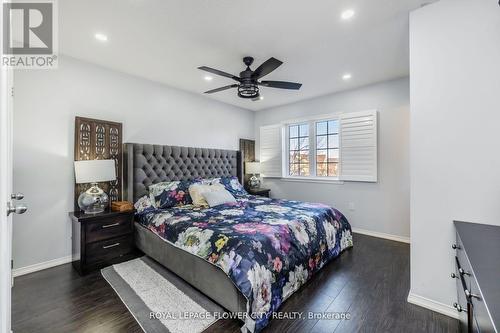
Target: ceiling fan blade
[(221, 89), (281, 85), (218, 72), (267, 67)]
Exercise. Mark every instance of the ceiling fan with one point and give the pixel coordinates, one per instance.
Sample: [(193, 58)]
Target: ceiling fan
[(248, 81)]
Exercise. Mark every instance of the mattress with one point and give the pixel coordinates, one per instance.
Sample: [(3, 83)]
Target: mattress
[(249, 256)]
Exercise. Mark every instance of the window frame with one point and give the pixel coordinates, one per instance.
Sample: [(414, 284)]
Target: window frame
[(312, 149)]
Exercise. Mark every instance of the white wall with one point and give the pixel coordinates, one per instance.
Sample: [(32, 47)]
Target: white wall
[(46, 103), (455, 133), (381, 207)]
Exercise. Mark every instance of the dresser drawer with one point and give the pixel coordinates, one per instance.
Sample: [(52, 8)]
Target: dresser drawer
[(463, 264), (108, 228), (106, 251), (463, 306), (481, 317), (468, 289)]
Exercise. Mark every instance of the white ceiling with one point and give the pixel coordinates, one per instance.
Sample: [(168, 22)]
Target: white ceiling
[(166, 40)]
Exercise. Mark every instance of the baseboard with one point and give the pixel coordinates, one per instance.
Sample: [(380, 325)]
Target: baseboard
[(427, 303), (41, 266), (382, 235)]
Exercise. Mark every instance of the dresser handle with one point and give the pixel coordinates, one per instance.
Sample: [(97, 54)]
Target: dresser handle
[(455, 247), (459, 307), (454, 276), (110, 225), (112, 245), (470, 295)]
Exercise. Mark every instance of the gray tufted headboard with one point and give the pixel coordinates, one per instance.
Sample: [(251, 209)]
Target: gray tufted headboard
[(146, 164)]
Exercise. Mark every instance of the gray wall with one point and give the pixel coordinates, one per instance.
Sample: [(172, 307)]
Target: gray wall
[(46, 102), (381, 207), (455, 133)]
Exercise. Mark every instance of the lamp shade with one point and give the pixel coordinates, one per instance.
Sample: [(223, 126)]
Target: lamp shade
[(252, 168), (95, 171)]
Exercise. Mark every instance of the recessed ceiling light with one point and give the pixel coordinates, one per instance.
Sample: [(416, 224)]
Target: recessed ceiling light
[(261, 98), (208, 78), (347, 14), (101, 37), (346, 76)]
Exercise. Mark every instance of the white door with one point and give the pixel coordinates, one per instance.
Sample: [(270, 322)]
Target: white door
[(5, 190), (8, 201)]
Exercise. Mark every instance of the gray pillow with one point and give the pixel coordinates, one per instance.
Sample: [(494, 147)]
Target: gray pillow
[(217, 198)]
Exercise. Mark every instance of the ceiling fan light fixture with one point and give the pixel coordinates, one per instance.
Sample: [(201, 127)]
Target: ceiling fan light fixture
[(249, 80), (248, 90)]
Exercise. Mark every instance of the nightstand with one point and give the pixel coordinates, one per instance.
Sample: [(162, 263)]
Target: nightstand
[(103, 239), (263, 192)]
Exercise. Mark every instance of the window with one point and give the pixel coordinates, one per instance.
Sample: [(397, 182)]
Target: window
[(319, 159), (298, 147), (327, 148), (336, 147)]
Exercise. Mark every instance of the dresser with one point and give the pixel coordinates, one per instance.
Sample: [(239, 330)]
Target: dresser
[(103, 239), (477, 275)]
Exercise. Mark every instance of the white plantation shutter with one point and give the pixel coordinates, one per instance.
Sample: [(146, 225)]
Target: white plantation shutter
[(358, 144), (271, 151)]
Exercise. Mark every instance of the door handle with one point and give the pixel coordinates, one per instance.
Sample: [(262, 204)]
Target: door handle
[(17, 196), (16, 209)]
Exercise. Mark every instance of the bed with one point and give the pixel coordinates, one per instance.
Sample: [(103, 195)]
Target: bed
[(249, 256)]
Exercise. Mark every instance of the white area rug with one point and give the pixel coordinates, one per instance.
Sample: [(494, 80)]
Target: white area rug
[(158, 299)]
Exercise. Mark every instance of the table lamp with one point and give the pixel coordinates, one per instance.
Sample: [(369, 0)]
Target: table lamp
[(94, 200), (253, 168)]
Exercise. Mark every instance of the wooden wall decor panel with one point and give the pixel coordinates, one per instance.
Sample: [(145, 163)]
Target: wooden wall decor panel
[(247, 149), (99, 140)]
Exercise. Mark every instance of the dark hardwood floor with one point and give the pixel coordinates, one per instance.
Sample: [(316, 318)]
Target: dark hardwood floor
[(370, 282)]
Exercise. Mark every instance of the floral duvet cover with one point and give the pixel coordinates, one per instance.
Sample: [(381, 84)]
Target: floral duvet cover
[(267, 247)]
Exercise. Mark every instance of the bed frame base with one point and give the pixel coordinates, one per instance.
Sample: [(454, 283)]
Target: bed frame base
[(207, 278)]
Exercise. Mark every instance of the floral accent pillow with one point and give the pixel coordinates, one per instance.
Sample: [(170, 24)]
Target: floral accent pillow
[(232, 184), (169, 194), (144, 205)]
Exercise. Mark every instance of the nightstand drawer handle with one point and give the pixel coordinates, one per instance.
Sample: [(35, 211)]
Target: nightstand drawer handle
[(110, 225), (112, 245)]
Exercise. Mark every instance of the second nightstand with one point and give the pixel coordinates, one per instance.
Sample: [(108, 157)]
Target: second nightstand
[(101, 239), (263, 192)]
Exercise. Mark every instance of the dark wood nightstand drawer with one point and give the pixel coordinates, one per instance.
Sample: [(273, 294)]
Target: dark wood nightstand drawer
[(101, 252), (108, 228)]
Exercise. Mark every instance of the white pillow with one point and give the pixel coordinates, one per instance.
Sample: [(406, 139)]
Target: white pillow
[(216, 198), (196, 192)]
